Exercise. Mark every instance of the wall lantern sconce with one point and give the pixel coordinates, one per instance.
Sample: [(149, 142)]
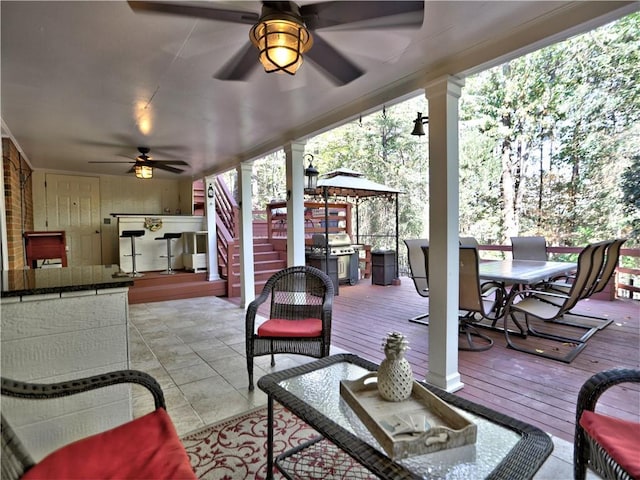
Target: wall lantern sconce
[(311, 174), (282, 38), (418, 123), (143, 171), (210, 192)]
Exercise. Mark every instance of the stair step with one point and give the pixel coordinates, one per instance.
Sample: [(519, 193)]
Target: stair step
[(258, 257), (175, 291), (258, 276), (235, 288), (262, 265), (151, 279), (257, 248)]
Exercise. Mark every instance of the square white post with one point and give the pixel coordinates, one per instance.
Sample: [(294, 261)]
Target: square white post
[(443, 95), (294, 152), (247, 271)]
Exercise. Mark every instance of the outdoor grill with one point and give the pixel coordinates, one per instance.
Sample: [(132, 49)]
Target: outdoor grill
[(340, 246)]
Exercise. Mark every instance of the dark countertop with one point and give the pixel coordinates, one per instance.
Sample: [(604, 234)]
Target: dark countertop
[(57, 280)]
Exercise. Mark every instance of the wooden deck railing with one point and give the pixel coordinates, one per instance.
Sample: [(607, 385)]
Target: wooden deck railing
[(339, 219)]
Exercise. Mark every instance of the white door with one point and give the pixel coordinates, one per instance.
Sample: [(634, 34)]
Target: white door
[(73, 205)]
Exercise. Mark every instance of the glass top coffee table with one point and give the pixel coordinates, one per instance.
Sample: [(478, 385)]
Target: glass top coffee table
[(505, 448)]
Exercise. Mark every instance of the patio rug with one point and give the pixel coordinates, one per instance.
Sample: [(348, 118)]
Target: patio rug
[(235, 448)]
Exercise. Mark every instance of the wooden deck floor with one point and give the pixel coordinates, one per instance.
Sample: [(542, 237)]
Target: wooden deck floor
[(539, 391)]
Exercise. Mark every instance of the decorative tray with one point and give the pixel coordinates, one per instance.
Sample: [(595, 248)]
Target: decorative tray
[(421, 424)]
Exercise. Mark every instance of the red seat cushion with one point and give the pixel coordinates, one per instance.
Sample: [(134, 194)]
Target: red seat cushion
[(277, 327), (145, 448), (619, 438)]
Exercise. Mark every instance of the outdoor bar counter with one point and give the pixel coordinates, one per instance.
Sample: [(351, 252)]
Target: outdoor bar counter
[(59, 324)]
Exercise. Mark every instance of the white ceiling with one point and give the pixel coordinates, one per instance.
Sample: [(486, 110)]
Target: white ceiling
[(83, 81)]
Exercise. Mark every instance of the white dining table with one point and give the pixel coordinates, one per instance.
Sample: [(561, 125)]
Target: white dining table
[(517, 274), (522, 272)]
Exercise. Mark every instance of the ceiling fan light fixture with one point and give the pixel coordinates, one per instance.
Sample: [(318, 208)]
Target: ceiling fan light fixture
[(143, 171), (282, 39)]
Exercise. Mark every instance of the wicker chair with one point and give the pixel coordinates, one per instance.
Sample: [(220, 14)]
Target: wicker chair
[(299, 320), (147, 447), (608, 456)]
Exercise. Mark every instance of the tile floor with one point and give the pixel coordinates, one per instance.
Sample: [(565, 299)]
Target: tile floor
[(195, 349)]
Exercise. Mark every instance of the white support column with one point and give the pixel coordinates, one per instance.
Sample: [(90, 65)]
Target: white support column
[(294, 152), (443, 95), (212, 239), (247, 275)]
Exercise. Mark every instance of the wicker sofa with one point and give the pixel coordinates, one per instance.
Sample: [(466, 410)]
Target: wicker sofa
[(146, 447)]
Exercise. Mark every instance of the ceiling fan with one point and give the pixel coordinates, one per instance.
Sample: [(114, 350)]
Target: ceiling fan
[(282, 32), (143, 164)]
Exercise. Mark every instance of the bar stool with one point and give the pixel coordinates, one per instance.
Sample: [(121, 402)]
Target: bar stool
[(168, 237), (132, 234)]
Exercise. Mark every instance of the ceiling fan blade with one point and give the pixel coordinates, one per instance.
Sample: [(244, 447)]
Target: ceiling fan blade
[(114, 161), (240, 65), (332, 63), (169, 162), (182, 9), (166, 168), (369, 14)]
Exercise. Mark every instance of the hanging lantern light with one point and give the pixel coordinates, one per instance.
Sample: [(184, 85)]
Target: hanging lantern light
[(282, 38), (311, 173)]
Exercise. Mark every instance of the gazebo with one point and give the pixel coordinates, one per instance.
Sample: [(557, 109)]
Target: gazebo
[(352, 185)]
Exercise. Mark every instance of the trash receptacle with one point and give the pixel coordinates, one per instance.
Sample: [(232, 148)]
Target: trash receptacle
[(383, 267)]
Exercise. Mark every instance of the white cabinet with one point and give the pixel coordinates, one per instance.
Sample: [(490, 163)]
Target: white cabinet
[(195, 251)]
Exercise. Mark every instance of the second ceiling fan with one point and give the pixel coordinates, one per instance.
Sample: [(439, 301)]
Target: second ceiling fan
[(143, 164), (282, 33)]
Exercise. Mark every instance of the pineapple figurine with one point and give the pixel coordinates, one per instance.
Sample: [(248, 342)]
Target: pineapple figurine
[(395, 377)]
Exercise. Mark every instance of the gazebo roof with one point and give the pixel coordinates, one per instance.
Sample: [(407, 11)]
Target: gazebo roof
[(344, 182)]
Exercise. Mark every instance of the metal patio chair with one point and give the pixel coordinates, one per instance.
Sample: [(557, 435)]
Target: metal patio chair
[(529, 248), (299, 319), (608, 259), (476, 300), (418, 272), (549, 305)]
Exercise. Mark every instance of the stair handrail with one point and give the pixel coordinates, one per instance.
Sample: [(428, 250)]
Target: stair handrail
[(227, 211), (226, 206)]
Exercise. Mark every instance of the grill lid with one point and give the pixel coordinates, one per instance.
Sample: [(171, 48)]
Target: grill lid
[(335, 240)]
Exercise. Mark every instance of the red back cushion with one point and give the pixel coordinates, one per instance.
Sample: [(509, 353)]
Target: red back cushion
[(147, 447), (620, 438), (277, 327)]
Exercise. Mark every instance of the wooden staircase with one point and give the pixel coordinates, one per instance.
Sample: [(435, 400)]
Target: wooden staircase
[(266, 262), (155, 287)]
